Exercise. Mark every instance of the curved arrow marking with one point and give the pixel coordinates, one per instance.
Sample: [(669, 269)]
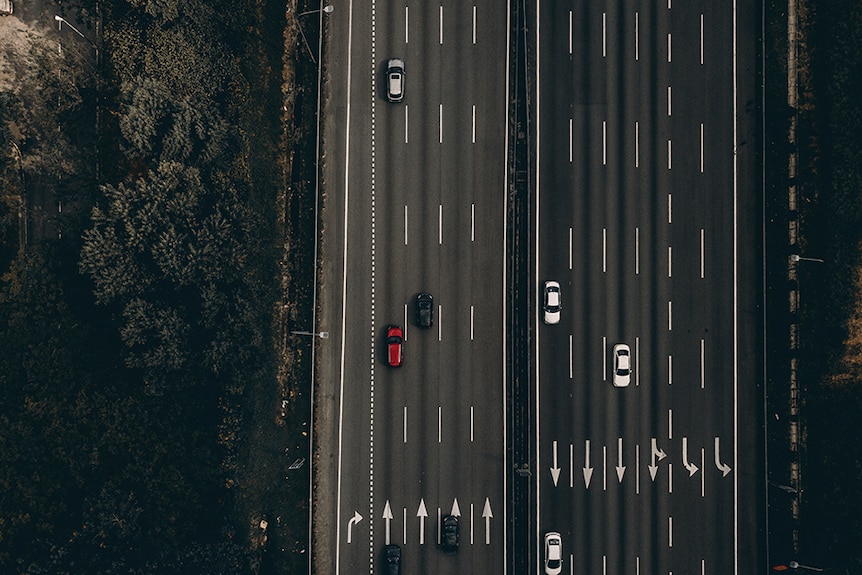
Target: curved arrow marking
[(655, 452), (723, 467), (353, 521), (691, 467)]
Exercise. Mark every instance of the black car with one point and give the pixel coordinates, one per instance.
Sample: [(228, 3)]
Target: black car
[(424, 310), (450, 533), (392, 555)]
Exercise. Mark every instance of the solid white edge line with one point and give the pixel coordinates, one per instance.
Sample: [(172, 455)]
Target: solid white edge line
[(536, 252), (504, 259), (343, 299), (735, 316)]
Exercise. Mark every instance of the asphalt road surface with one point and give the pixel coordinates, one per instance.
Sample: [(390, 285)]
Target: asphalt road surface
[(646, 209), (648, 214), (416, 200)]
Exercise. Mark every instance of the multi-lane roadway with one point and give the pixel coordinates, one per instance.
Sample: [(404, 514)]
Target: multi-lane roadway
[(418, 200), (646, 208), (647, 213)]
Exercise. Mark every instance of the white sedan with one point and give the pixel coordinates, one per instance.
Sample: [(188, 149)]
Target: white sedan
[(553, 302), (553, 553), (622, 365)]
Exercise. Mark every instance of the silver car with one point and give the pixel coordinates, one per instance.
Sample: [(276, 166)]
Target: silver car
[(553, 553), (553, 302), (395, 80), (622, 365)]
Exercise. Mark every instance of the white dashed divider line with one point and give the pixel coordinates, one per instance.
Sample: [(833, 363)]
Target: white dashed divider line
[(373, 277)]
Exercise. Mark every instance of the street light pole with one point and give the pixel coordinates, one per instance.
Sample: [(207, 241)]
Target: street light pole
[(321, 335), (798, 258), (327, 9)]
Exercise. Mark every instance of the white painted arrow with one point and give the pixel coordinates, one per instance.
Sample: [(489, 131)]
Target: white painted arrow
[(486, 513), (555, 471), (387, 515), (621, 469), (422, 514), (655, 452), (588, 469), (723, 467), (456, 511), (353, 520), (692, 468)]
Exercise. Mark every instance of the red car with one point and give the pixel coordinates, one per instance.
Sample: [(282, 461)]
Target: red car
[(394, 341)]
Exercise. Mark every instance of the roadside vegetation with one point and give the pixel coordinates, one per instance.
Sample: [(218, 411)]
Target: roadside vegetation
[(144, 403), (830, 216)]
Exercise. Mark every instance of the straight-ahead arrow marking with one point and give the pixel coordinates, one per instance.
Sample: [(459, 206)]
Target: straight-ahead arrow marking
[(387, 515), (456, 511), (588, 469), (723, 467), (422, 514), (486, 513), (621, 469)]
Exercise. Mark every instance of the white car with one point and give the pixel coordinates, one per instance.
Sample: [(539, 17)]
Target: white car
[(622, 365), (553, 553), (553, 302), (395, 80)]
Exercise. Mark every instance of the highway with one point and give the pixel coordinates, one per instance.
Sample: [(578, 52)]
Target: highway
[(416, 203), (644, 203), (647, 213)]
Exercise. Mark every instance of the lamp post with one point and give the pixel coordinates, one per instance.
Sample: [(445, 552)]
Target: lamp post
[(328, 8), (325, 10), (798, 258), (321, 335), (60, 21)]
